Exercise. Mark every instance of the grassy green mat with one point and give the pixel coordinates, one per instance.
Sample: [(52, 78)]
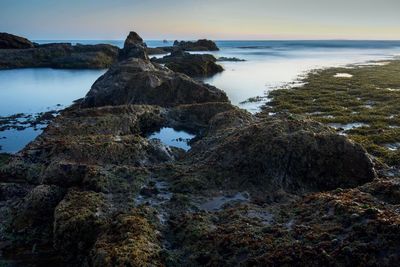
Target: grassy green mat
[(363, 103)]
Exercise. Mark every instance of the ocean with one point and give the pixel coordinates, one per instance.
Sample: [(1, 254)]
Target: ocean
[(268, 65)]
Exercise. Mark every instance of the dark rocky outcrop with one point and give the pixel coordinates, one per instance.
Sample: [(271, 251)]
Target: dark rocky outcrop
[(60, 56), (156, 50), (292, 154), (194, 65), (199, 45), (230, 59), (18, 52), (10, 41), (134, 47), (135, 81)]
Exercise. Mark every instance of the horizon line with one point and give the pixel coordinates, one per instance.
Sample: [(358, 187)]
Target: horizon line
[(171, 40)]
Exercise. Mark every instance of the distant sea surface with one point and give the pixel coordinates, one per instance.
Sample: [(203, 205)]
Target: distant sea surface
[(269, 65)]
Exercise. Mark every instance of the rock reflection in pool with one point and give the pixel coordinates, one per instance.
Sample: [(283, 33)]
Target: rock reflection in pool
[(172, 137)]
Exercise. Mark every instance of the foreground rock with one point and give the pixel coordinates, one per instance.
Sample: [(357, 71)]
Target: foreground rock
[(9, 41), (93, 190), (272, 154), (193, 65), (337, 228)]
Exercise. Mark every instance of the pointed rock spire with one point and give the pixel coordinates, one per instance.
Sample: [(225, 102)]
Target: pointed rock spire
[(134, 47)]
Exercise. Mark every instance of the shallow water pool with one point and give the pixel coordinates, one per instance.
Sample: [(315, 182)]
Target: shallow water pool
[(172, 137)]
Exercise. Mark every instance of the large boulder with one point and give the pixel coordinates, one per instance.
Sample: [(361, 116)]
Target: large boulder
[(136, 81), (194, 65), (199, 45), (292, 154), (10, 41)]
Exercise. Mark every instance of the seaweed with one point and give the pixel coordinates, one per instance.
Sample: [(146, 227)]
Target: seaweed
[(370, 97)]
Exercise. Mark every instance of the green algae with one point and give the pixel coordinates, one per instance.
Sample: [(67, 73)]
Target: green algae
[(131, 240), (365, 106), (4, 158)]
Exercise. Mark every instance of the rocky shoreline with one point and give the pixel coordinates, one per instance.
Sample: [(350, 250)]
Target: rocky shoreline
[(253, 190), (19, 52), (60, 56)]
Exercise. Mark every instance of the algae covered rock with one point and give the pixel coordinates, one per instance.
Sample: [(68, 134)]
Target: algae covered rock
[(337, 228), (78, 220), (81, 139), (131, 240), (297, 155), (38, 205)]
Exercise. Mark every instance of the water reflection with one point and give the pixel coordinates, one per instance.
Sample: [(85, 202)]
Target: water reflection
[(172, 137), (37, 90), (31, 91), (268, 67)]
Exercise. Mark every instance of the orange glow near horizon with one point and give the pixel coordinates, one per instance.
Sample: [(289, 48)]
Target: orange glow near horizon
[(191, 19)]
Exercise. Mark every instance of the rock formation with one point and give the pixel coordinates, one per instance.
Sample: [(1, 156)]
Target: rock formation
[(135, 81), (194, 65), (134, 47), (64, 56), (292, 154), (18, 52), (9, 41), (94, 190), (199, 45)]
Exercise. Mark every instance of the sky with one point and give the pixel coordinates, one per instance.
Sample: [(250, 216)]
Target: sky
[(192, 19)]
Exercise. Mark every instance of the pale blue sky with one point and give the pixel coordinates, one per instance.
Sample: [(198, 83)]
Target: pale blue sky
[(190, 19)]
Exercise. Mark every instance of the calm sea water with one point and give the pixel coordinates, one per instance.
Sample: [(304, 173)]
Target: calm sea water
[(31, 91), (268, 65)]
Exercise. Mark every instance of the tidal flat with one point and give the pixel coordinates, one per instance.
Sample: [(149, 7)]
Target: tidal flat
[(368, 97), (101, 186)]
